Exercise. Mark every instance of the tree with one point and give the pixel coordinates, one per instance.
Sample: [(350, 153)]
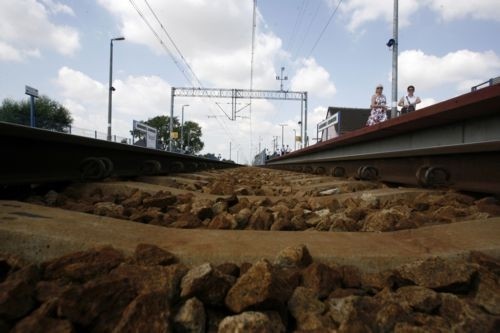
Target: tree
[(49, 114), (192, 137), (192, 133), (210, 156)]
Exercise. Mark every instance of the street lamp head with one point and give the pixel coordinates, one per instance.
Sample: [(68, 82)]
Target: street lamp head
[(118, 38)]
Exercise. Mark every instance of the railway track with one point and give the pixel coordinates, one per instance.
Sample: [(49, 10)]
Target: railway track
[(366, 255), (455, 143), (108, 237), (37, 156)]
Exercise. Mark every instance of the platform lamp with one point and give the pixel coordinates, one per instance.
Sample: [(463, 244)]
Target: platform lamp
[(111, 88)]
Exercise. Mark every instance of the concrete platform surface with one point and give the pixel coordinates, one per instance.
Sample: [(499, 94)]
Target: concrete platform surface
[(39, 233)]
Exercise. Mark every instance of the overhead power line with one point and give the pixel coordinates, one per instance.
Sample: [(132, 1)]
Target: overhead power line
[(324, 28), (298, 22), (173, 43), (189, 79), (162, 43), (313, 19)]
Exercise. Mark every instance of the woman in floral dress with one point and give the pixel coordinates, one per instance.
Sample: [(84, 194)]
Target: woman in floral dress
[(379, 108)]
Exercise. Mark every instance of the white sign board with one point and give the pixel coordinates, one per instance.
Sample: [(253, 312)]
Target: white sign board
[(31, 91), (334, 119), (328, 128), (150, 133)]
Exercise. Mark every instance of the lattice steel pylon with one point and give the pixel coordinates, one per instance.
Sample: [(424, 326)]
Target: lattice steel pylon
[(235, 94)]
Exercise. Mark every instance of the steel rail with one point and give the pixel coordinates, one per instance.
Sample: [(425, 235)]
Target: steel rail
[(475, 171), (33, 156), (455, 143)]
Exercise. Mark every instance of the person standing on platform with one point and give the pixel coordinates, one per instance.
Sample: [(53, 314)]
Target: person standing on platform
[(378, 106), (409, 102)]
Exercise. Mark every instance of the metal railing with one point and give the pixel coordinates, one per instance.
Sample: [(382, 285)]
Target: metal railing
[(490, 82), (95, 134), (60, 128)]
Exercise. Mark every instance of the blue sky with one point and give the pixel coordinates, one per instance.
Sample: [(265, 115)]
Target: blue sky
[(62, 48)]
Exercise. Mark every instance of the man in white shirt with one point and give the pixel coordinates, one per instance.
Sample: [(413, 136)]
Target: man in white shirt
[(410, 101)]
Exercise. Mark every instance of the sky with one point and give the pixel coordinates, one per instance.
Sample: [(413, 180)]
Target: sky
[(335, 50)]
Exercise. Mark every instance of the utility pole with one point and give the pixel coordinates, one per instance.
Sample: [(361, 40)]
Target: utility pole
[(182, 128), (306, 138), (281, 78), (294, 139), (171, 121), (394, 107), (282, 135), (111, 88), (230, 150)]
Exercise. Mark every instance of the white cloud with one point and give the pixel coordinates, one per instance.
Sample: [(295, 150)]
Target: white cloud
[(9, 53), (36, 30), (208, 21), (217, 44), (85, 98), (426, 102), (141, 97), (135, 98), (232, 68), (459, 9), (57, 7), (64, 39), (360, 12), (77, 85), (461, 68), (313, 78)]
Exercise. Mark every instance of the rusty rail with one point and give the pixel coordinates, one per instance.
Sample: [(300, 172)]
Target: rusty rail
[(31, 155)]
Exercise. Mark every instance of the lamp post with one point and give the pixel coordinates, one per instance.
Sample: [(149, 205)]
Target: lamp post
[(111, 89), (182, 128), (282, 136), (294, 139), (394, 108)]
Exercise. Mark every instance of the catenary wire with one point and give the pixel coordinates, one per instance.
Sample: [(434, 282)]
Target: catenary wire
[(313, 19), (324, 28), (297, 23), (189, 80), (162, 43), (174, 44)]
